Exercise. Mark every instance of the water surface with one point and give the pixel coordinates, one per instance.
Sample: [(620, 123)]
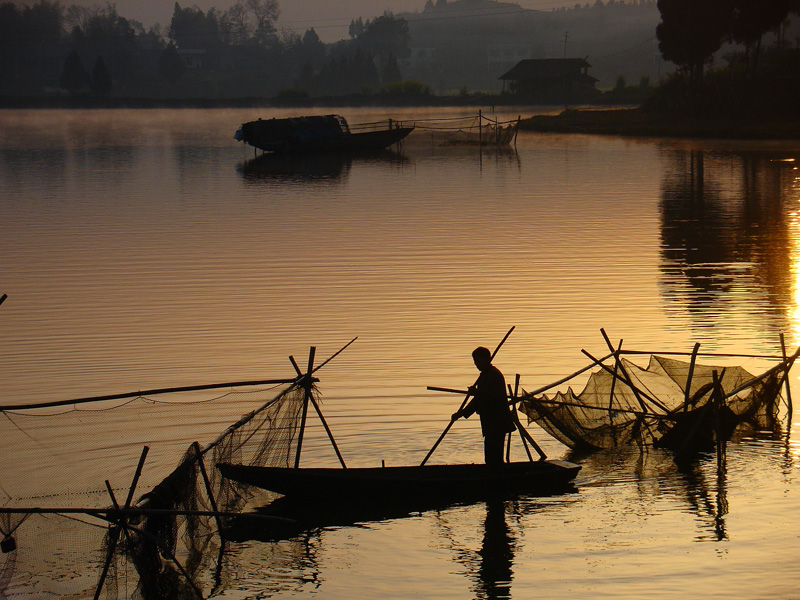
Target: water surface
[(145, 249)]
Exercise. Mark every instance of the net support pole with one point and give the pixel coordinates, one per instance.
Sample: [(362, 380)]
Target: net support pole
[(786, 379), (327, 430), (136, 476), (127, 528), (626, 377), (524, 434), (463, 404), (623, 379), (113, 533), (209, 490), (307, 385), (716, 416), (688, 392), (613, 386)]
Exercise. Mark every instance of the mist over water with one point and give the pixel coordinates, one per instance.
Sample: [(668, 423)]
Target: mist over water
[(146, 249)]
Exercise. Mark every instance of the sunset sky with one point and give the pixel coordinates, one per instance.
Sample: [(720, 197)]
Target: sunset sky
[(329, 18)]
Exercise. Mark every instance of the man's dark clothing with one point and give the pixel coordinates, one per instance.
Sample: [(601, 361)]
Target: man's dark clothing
[(491, 403)]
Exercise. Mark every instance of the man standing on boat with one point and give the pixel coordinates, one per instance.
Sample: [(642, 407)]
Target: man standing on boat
[(491, 403)]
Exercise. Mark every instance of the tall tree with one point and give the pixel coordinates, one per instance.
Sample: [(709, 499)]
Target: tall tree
[(751, 19), (236, 25), (690, 32), (170, 64), (74, 77), (385, 36), (193, 29), (265, 13), (101, 79)]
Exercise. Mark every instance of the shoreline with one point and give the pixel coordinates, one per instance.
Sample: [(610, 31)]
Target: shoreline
[(634, 122), (597, 120)]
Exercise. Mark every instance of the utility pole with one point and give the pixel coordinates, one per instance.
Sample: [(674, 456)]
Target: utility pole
[(566, 38)]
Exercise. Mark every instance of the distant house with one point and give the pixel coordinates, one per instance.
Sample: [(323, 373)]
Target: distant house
[(556, 80)]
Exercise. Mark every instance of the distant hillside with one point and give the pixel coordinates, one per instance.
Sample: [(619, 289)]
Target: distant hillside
[(471, 43)]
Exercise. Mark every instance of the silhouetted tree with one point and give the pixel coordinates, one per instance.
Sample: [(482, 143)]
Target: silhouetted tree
[(384, 36), (170, 64), (235, 25), (74, 77), (191, 28), (391, 70), (751, 19), (356, 28), (265, 13), (31, 53), (690, 32), (101, 79), (111, 36)]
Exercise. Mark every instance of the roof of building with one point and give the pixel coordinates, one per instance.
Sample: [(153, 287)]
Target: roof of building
[(539, 68)]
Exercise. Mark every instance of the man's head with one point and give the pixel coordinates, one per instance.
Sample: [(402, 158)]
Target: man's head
[(481, 357)]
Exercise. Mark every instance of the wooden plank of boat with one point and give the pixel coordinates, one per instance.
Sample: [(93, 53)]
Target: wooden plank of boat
[(405, 481)]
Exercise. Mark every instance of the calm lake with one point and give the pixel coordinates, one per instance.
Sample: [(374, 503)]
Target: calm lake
[(145, 249)]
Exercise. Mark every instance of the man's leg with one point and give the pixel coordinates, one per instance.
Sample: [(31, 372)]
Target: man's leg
[(493, 448)]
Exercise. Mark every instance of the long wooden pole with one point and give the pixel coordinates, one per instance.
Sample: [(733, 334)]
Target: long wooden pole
[(537, 391), (622, 377), (136, 475), (627, 378), (191, 388), (524, 434), (575, 404), (463, 403), (307, 384), (209, 489), (613, 385), (327, 430), (786, 380), (688, 391)]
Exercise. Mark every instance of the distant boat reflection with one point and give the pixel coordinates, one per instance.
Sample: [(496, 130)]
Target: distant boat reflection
[(311, 168)]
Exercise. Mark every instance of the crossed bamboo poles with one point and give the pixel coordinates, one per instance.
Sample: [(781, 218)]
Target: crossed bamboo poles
[(650, 406), (121, 518)]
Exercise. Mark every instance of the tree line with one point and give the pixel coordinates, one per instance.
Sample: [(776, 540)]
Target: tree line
[(735, 59), (238, 52), (691, 32)]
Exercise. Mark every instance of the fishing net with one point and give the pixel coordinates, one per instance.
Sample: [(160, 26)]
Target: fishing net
[(470, 131), (54, 464), (627, 404)]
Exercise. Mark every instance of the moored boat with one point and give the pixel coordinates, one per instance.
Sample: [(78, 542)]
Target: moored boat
[(320, 133), (406, 482)]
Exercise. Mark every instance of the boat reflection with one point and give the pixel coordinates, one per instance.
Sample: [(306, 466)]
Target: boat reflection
[(287, 168), (312, 515)]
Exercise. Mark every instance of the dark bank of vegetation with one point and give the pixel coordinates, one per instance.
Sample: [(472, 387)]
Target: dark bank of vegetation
[(755, 93), (62, 55), (738, 62)]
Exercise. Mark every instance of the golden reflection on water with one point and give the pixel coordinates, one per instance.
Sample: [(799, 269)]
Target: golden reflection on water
[(145, 249)]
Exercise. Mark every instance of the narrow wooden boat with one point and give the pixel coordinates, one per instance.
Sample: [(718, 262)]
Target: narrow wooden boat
[(319, 134), (429, 481)]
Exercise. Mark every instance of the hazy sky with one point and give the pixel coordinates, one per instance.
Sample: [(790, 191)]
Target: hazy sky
[(329, 18)]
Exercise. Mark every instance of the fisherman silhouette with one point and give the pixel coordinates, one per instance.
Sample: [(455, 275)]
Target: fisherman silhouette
[(491, 403)]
